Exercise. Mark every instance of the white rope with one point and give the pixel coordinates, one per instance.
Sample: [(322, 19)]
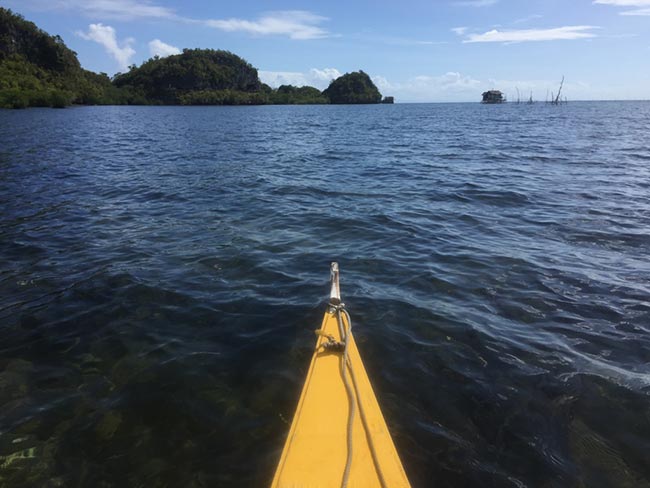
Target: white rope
[(353, 391), (352, 402)]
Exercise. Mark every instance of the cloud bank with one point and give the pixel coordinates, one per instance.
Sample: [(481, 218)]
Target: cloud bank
[(427, 88), (534, 35), (319, 78), (105, 35), (296, 24), (639, 7), (110, 9), (161, 49)]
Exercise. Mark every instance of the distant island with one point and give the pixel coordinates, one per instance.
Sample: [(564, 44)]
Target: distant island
[(39, 70)]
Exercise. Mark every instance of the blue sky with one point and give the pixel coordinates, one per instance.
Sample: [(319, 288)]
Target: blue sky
[(415, 50)]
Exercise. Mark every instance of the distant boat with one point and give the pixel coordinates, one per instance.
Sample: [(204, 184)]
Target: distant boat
[(493, 96)]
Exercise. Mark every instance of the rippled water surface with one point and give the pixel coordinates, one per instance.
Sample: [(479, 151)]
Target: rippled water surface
[(162, 270)]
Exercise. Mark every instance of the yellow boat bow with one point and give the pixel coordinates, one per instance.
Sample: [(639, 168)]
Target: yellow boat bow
[(338, 437)]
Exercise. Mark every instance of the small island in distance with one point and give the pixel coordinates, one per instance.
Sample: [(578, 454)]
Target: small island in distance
[(39, 70)]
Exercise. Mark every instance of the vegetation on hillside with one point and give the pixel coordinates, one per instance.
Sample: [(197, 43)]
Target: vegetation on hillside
[(38, 70), (195, 77), (292, 95), (356, 87)]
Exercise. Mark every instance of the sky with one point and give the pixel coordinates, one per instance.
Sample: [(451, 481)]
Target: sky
[(414, 50)]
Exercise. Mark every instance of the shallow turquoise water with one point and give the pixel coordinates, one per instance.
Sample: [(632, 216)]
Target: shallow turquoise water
[(162, 270)]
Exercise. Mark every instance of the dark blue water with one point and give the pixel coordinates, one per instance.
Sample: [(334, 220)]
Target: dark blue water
[(162, 270)]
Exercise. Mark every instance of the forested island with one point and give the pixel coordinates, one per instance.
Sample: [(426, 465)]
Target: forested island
[(39, 70)]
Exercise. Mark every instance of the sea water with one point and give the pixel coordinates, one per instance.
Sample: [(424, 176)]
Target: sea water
[(162, 270)]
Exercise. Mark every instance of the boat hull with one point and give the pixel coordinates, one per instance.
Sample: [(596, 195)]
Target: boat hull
[(316, 450)]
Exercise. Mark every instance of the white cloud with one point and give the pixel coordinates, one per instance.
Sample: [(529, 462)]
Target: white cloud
[(161, 49), (319, 78), (454, 86), (324, 75), (459, 30), (642, 6), (625, 3), (457, 87), (451, 86), (105, 35), (573, 89), (109, 9), (296, 24), (529, 35), (382, 83)]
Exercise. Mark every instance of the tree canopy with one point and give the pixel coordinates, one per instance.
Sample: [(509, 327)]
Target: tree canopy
[(355, 87), (289, 94), (37, 69), (197, 76)]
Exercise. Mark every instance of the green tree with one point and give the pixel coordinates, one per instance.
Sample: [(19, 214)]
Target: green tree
[(215, 75), (288, 94), (356, 87), (38, 70)]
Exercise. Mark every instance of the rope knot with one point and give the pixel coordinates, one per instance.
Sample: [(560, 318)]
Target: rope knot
[(332, 345)]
